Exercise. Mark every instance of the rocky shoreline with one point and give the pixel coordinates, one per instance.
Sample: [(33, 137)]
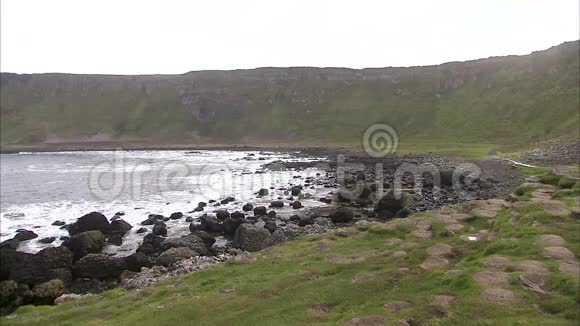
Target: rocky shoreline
[(79, 266)]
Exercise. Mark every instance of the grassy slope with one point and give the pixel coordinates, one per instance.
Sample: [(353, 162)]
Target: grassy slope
[(500, 101), (287, 280)]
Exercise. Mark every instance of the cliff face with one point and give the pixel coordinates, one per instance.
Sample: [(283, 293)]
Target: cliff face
[(502, 99)]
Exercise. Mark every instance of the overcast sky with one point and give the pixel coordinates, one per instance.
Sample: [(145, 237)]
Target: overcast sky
[(174, 36)]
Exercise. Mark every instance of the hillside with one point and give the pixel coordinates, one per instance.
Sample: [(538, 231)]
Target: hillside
[(500, 100)]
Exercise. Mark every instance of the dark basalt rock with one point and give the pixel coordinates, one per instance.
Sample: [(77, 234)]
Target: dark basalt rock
[(263, 192), (137, 261), (295, 191), (238, 215), (342, 215), (120, 227), (58, 223), (260, 211), (222, 214), (296, 205), (191, 241), (247, 207), (99, 266), (174, 255), (270, 226), (151, 244), (85, 243), (210, 224), (176, 216), (94, 221), (47, 240), (205, 237), (277, 204), (141, 230), (160, 228), (24, 235), (252, 238)]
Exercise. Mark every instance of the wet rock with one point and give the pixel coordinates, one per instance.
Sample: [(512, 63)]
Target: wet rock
[(222, 214), (10, 244), (47, 240), (85, 243), (342, 215), (47, 292), (210, 224), (174, 255), (277, 204), (91, 222), (270, 226), (189, 219), (271, 214), (252, 238), (296, 205), (238, 215), (160, 228), (295, 191), (58, 223), (141, 230), (151, 244), (260, 211), (248, 207), (176, 215), (263, 192), (24, 235), (99, 266), (120, 227)]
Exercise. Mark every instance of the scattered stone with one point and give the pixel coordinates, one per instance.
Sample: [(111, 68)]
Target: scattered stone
[(498, 295), (535, 282), (488, 279), (441, 250), (423, 234), (434, 262), (548, 240), (399, 254), (395, 306), (321, 308), (443, 300), (367, 321), (531, 266), (497, 262), (571, 267), (558, 253)]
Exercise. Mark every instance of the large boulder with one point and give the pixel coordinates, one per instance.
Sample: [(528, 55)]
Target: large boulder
[(393, 203), (260, 211), (205, 237), (82, 244), (7, 292), (174, 255), (137, 261), (252, 238), (151, 244), (99, 266), (222, 214), (231, 225), (160, 228), (45, 293), (210, 224), (120, 227), (24, 235), (90, 222), (49, 263), (191, 241), (342, 215)]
